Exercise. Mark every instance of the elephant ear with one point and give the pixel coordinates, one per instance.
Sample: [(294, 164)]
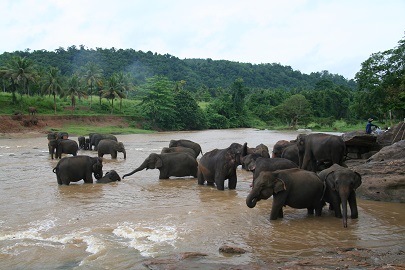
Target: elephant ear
[(158, 163), (330, 178), (357, 180), (279, 185)]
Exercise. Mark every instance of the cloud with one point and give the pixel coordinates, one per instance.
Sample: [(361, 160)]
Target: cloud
[(308, 35)]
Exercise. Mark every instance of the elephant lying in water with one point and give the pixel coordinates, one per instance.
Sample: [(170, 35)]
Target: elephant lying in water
[(293, 187), (110, 176), (73, 169), (169, 164)]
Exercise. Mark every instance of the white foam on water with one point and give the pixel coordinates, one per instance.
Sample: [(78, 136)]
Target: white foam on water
[(147, 239)]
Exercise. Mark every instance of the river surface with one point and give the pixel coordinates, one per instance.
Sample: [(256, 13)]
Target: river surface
[(121, 225)]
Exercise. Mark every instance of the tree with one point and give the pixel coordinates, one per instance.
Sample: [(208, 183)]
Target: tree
[(92, 74), (158, 104), (295, 108), (189, 115), (74, 89), (20, 71), (112, 90), (52, 84), (124, 84)]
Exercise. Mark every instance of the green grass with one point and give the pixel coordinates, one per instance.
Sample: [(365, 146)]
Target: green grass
[(77, 130)]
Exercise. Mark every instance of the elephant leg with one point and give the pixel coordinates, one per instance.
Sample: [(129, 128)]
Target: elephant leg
[(310, 211), (200, 177), (277, 209), (232, 182), (219, 181), (59, 180), (335, 202), (163, 174), (114, 155), (353, 205)]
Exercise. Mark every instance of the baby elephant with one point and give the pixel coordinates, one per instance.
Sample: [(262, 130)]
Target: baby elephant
[(110, 176), (108, 146)]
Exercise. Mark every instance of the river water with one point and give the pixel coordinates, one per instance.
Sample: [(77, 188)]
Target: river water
[(121, 225)]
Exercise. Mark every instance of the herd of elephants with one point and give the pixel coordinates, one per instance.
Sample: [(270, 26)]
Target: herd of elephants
[(304, 173)]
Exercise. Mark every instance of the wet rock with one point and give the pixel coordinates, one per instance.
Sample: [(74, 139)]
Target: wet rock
[(231, 249), (383, 174)]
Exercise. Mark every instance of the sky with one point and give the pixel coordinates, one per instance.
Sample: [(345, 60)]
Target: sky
[(308, 35)]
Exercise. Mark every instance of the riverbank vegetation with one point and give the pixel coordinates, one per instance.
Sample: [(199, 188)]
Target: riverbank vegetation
[(163, 92)]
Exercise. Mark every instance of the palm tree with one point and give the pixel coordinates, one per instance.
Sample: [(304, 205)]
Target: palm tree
[(112, 90), (53, 84), (125, 85), (74, 89), (92, 75), (20, 71)]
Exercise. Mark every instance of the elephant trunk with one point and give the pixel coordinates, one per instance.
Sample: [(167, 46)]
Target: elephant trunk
[(344, 195), (251, 200), (140, 168)]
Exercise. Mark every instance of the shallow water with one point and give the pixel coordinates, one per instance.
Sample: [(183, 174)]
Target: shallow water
[(120, 225)]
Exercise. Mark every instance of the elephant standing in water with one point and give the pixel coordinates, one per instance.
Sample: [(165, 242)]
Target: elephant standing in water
[(318, 147), (73, 169), (107, 146), (220, 164), (187, 143), (341, 184), (179, 149), (65, 146), (95, 138), (170, 164), (293, 187)]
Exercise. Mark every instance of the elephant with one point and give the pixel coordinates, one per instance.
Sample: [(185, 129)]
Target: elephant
[(187, 143), (73, 169), (318, 147), (32, 110), (179, 149), (82, 142), (291, 153), (177, 164), (220, 164), (107, 146), (95, 138), (65, 146), (340, 187), (294, 187), (110, 176), (279, 147), (62, 135), (256, 163)]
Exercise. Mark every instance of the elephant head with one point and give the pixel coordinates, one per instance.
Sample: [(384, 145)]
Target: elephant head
[(110, 176), (153, 161), (121, 148), (97, 168), (264, 186)]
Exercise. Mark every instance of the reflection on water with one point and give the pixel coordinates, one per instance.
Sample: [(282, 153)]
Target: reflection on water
[(118, 225)]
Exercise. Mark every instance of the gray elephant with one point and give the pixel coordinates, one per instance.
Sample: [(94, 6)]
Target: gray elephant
[(293, 187), (63, 146), (169, 164), (110, 176), (220, 164), (179, 149), (107, 146), (82, 142), (279, 147), (291, 153), (318, 147), (341, 184), (73, 169), (95, 138), (187, 143)]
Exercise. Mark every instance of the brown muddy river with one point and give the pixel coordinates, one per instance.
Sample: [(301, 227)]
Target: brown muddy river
[(121, 225)]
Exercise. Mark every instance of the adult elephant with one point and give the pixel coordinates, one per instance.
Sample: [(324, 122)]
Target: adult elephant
[(110, 176), (82, 142), (95, 138), (291, 153), (65, 146), (169, 164), (73, 169), (108, 146), (178, 149), (319, 147), (341, 184), (219, 165), (279, 147), (187, 143), (293, 187), (32, 110)]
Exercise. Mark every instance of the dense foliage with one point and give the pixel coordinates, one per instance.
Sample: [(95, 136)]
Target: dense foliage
[(169, 90)]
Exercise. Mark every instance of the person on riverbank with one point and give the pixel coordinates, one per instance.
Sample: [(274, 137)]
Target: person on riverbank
[(370, 125)]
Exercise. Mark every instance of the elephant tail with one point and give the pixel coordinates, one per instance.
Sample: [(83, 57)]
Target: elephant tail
[(55, 170)]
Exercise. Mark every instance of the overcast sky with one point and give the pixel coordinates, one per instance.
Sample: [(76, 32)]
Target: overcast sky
[(308, 35)]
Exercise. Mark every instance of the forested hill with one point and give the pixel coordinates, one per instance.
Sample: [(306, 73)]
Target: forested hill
[(196, 72)]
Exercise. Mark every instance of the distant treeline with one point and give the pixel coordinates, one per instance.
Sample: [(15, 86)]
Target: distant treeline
[(197, 73)]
